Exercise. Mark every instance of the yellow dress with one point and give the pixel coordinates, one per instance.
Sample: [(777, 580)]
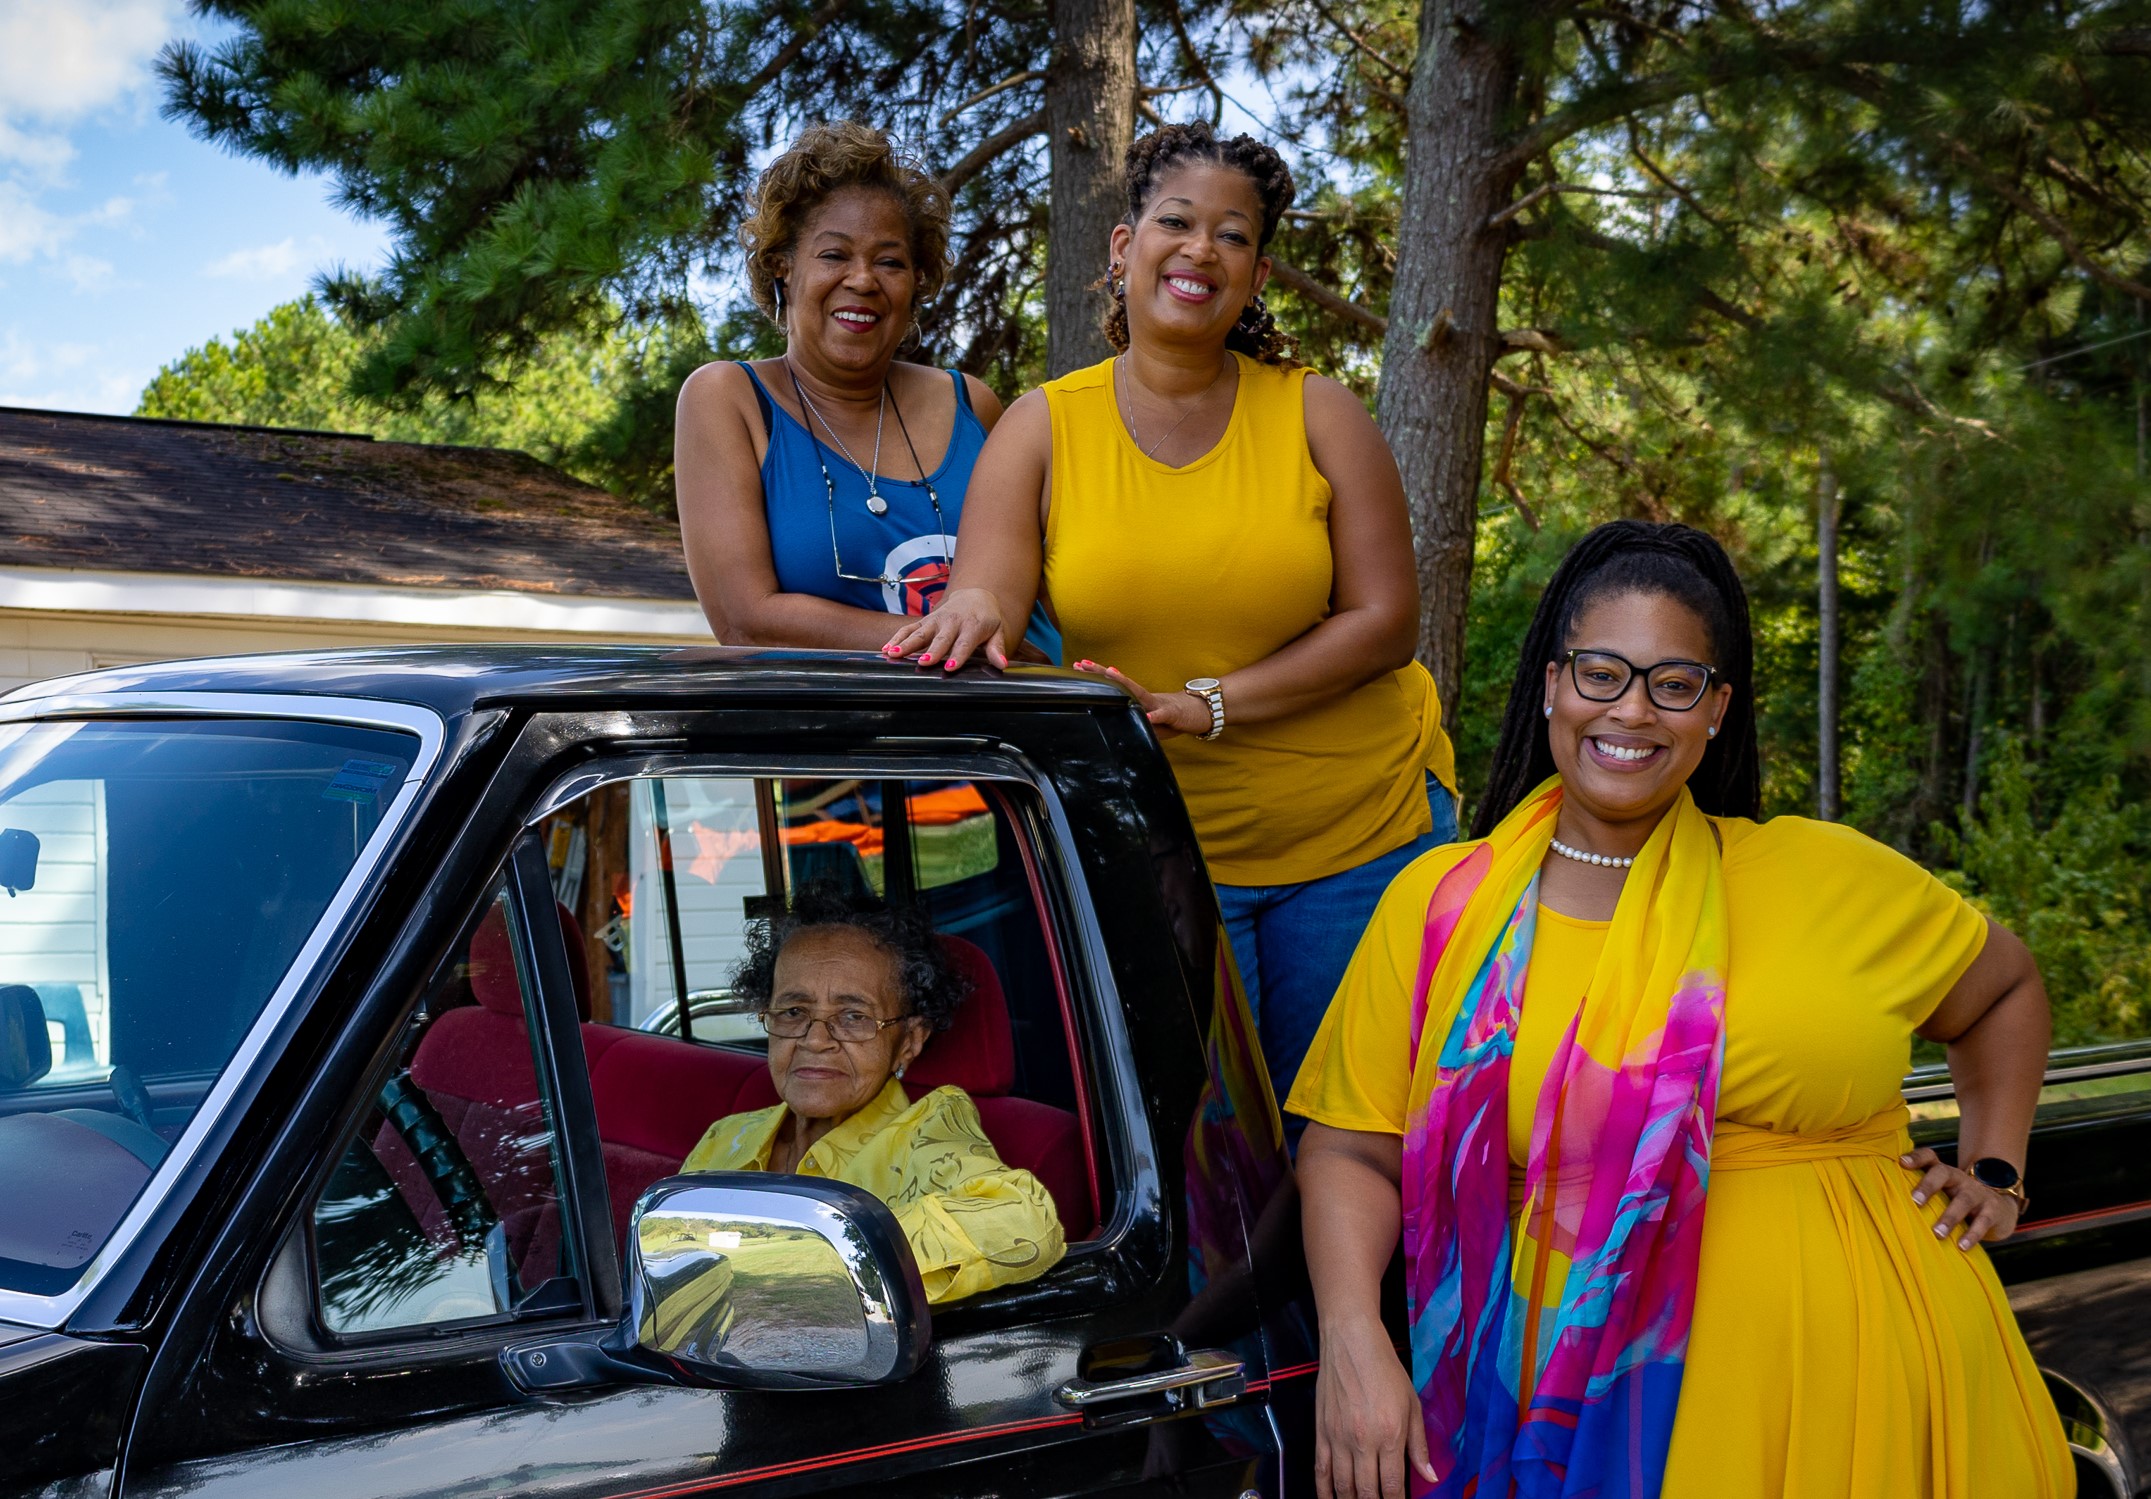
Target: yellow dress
[(1176, 573), (1839, 1349), (972, 1221)]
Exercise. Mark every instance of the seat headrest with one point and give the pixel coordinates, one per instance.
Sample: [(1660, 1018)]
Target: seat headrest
[(494, 982), (977, 1053), (25, 1048)]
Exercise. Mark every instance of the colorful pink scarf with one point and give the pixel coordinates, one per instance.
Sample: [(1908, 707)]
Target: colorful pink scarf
[(1549, 1362)]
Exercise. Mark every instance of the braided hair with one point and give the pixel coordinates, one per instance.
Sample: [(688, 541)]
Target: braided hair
[(1632, 556), (1256, 334)]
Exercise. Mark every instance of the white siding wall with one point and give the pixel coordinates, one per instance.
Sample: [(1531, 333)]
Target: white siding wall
[(717, 864), (55, 933)]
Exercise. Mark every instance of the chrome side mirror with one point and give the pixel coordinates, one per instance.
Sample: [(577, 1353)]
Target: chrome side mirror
[(751, 1281)]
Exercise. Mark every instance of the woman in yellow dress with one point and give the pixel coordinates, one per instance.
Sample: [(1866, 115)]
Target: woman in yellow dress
[(850, 991), (1624, 1073), (1223, 532)]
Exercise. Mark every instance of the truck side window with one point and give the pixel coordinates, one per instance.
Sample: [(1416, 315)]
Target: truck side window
[(446, 1204), (669, 871)]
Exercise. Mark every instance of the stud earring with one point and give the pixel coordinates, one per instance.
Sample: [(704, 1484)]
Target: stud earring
[(899, 1072), (1711, 732), (1549, 714)]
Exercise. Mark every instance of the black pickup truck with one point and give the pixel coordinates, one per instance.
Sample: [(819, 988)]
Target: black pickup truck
[(357, 1011)]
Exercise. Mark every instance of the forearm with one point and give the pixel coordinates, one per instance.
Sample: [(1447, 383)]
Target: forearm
[(991, 1231), (1351, 1220), (1997, 1066), (1337, 657), (802, 620)]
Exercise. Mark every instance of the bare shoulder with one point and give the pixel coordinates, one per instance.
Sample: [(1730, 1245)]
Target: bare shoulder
[(719, 386), (1329, 401), (984, 403), (1030, 410), (1026, 427)]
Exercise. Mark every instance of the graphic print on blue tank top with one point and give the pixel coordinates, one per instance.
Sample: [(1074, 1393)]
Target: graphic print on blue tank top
[(906, 546)]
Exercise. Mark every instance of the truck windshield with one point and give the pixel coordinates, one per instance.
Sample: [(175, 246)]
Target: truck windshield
[(157, 880)]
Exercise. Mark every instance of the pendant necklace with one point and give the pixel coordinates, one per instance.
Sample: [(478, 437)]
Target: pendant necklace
[(1125, 382), (875, 504)]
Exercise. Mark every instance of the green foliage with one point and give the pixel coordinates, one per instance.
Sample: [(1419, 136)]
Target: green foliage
[(2068, 878), (539, 162), (581, 400), (1880, 230)]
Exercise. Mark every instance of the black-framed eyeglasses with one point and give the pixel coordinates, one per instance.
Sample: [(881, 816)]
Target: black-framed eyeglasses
[(793, 1022), (1603, 677)]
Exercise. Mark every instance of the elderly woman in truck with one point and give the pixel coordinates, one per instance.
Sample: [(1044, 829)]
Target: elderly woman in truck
[(850, 990)]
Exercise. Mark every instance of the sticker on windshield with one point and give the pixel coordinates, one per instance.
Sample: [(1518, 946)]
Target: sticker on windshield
[(361, 780)]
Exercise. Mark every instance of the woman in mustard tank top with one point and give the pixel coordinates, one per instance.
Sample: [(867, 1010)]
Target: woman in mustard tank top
[(1203, 510)]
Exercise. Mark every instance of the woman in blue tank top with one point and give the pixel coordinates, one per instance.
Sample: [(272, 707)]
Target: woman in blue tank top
[(820, 492)]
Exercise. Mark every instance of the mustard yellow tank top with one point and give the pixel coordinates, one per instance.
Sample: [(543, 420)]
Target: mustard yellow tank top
[(1171, 574)]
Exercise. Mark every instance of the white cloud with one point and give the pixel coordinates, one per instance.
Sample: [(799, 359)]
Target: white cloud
[(61, 59), (66, 377), (262, 263), (40, 154), (29, 229), (26, 229), (88, 272)]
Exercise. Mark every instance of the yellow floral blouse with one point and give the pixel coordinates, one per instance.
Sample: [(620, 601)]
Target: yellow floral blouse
[(973, 1222)]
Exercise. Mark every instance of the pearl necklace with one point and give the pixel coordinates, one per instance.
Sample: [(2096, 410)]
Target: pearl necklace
[(1608, 861)]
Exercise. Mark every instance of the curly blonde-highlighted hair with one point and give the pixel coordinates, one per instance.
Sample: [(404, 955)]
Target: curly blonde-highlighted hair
[(822, 162)]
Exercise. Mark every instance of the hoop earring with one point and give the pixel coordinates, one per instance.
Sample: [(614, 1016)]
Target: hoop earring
[(776, 291), (1255, 313), (1116, 283)]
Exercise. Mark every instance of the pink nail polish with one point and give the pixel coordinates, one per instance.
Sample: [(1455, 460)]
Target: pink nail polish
[(948, 666), (926, 658)]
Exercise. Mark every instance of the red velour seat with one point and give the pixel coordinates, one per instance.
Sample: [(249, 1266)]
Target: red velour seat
[(475, 1066), (656, 1096)]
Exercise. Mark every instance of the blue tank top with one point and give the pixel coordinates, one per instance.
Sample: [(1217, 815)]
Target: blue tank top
[(906, 547)]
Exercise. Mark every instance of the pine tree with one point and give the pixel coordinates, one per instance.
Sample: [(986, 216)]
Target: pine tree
[(1816, 200)]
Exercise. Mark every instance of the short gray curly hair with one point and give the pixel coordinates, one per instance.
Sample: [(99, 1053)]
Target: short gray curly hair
[(927, 981)]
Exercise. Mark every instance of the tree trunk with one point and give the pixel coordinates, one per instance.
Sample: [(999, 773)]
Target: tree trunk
[(1090, 119), (1828, 785), (1443, 312)]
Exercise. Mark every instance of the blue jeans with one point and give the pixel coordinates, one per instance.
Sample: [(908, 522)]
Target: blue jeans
[(1293, 943)]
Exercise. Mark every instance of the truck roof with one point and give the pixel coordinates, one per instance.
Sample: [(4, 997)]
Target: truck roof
[(454, 679)]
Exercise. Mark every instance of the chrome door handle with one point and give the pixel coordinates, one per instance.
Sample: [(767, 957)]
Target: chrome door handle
[(1207, 1378)]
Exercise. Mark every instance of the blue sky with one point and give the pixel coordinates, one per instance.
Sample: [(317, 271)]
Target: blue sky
[(125, 241)]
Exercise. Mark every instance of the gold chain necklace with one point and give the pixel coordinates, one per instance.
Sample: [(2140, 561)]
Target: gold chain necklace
[(1125, 381)]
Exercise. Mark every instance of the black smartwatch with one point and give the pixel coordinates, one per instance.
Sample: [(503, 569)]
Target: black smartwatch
[(1993, 1171)]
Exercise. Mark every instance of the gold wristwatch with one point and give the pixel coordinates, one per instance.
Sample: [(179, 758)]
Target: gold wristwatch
[(1213, 695)]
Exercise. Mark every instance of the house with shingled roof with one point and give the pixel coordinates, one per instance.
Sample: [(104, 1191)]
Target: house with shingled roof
[(127, 539)]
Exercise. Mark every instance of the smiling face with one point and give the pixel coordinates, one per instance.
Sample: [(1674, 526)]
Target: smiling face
[(1623, 763), (827, 972), (1190, 257), (851, 282)]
